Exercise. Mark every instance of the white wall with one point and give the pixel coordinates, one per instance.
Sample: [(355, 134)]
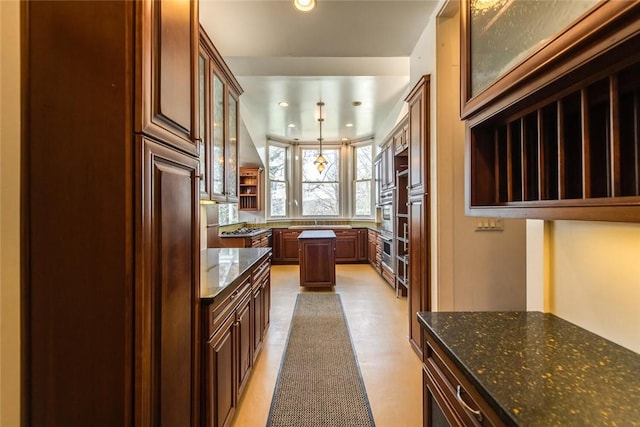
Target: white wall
[(591, 277), (9, 213)]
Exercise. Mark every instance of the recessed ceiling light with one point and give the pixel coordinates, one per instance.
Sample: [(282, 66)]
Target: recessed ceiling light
[(291, 125), (283, 104), (304, 5), (356, 103), (349, 125), (345, 139)]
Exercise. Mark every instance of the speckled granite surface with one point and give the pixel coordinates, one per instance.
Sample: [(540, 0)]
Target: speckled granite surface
[(219, 268), (539, 370)]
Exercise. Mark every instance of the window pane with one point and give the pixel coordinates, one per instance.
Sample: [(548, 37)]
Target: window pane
[(363, 198), (310, 171), (364, 162), (320, 199), (277, 163), (228, 213), (278, 206)]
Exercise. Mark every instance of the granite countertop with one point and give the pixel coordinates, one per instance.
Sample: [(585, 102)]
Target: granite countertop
[(317, 234), (536, 369), (220, 267), (253, 232)]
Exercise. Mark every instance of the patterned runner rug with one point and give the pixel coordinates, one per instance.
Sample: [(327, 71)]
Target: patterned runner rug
[(319, 383)]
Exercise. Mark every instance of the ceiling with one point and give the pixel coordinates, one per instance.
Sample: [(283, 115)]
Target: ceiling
[(339, 53)]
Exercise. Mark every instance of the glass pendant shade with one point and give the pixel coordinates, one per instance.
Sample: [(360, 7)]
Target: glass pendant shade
[(321, 163)]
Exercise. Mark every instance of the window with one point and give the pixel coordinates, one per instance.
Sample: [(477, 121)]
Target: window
[(295, 188), (228, 213), (320, 191), (277, 176), (363, 182)]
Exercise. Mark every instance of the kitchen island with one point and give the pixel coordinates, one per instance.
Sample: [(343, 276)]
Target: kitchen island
[(524, 369), (317, 251)]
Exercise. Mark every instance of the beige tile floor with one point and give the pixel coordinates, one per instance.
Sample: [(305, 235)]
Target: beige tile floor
[(378, 324)]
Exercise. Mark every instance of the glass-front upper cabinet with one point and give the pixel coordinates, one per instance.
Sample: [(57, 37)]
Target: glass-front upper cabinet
[(232, 153), (217, 139), (219, 125), (202, 113)]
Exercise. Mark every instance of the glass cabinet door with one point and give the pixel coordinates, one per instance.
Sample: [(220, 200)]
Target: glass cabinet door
[(202, 142), (217, 139), (232, 151)]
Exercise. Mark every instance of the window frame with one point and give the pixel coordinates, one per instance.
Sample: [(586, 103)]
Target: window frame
[(287, 180), (354, 167), (346, 179)]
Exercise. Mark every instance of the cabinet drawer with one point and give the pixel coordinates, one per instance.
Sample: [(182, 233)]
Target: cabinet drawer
[(217, 313), (260, 274), (460, 395)]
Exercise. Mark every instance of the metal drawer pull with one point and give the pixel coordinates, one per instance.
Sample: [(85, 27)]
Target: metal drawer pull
[(478, 414)]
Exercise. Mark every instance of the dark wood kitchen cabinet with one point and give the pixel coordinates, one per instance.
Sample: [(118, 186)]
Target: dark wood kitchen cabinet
[(218, 147), (111, 311), (347, 246), (449, 399), (261, 284), (167, 304), (317, 250), (418, 256), (558, 138), (234, 324), (220, 401), (168, 67), (289, 245)]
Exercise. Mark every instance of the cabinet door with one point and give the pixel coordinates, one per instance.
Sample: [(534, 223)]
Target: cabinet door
[(220, 395), (231, 172), (203, 112), (167, 288), (245, 342), (418, 259), (378, 169), (419, 138), (276, 242), (258, 327), (217, 138), (346, 246), (372, 248), (362, 245), (167, 92), (290, 245), (266, 303)]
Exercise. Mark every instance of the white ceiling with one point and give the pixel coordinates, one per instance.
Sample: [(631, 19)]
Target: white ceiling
[(341, 52)]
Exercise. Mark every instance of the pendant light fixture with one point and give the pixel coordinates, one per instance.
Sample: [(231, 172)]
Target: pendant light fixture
[(304, 5), (321, 162)]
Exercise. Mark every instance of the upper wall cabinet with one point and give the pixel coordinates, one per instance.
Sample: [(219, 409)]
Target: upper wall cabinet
[(218, 111), (561, 138), (166, 90)]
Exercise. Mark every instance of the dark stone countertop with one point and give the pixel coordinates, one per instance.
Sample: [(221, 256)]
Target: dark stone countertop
[(254, 232), (221, 267), (317, 234), (536, 369)]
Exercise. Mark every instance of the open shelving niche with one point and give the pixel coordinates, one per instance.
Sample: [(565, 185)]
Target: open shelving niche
[(250, 189), (578, 149), (402, 226)]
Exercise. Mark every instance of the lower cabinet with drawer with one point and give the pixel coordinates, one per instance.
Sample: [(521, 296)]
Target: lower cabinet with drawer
[(234, 328), (449, 398)]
